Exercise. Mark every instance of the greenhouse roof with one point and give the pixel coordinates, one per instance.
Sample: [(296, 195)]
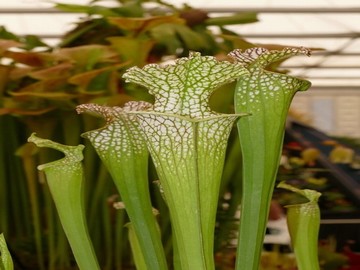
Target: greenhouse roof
[(332, 25)]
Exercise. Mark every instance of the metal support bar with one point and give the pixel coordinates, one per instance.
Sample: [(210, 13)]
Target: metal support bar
[(318, 10), (275, 35), (31, 11), (301, 35), (340, 221), (318, 66)]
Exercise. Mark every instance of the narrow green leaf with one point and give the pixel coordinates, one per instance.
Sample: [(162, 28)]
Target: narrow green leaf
[(6, 35), (87, 57), (73, 37), (134, 50), (142, 25), (54, 72), (139, 259), (191, 39), (91, 10), (31, 42), (304, 223), (128, 9), (26, 153), (187, 142), (66, 185), (32, 59), (239, 18), (165, 35), (72, 8), (266, 96), (6, 262), (122, 149)]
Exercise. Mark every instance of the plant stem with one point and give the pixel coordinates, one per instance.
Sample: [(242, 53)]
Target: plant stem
[(29, 166), (4, 188), (120, 239)]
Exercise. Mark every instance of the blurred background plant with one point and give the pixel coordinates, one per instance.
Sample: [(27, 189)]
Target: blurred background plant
[(40, 86)]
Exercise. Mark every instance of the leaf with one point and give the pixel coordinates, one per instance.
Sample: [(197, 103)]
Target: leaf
[(165, 35), (89, 9), (304, 223), (61, 70), (46, 95), (19, 111), (113, 100), (310, 155), (87, 56), (142, 25), (187, 142), (34, 59), (66, 184), (192, 40), (6, 262), (19, 72), (121, 131), (72, 8), (98, 79), (266, 96), (261, 57), (6, 35), (84, 30), (101, 10), (178, 36), (121, 147), (189, 154), (139, 259), (134, 50), (6, 44), (4, 78), (238, 18), (184, 88), (132, 8), (31, 42), (45, 87), (237, 42), (341, 154)]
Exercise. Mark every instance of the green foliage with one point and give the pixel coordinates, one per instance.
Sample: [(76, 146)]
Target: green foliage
[(41, 86), (304, 223), (123, 151), (6, 262), (65, 181), (266, 96), (187, 141)]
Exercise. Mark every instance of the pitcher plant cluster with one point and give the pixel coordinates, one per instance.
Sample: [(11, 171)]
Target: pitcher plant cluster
[(187, 142)]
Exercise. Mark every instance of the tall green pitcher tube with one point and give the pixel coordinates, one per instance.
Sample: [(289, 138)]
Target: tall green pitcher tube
[(266, 96), (304, 223), (187, 142), (66, 184), (122, 149)]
